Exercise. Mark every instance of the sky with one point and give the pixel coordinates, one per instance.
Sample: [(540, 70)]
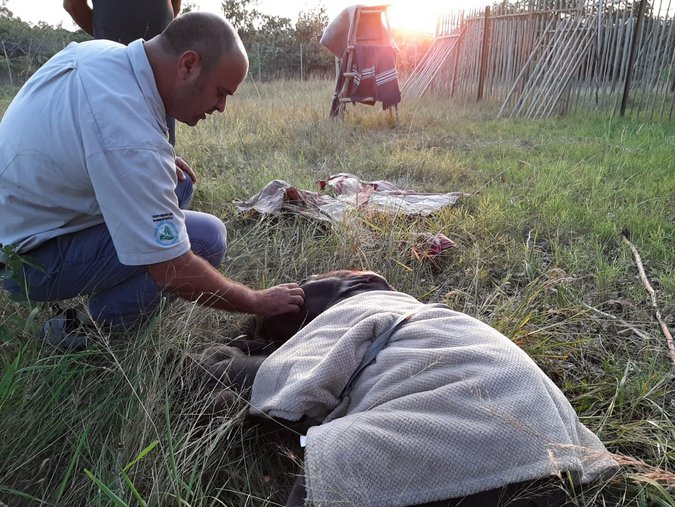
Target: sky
[(417, 15)]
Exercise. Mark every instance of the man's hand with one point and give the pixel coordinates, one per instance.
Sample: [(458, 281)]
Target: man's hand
[(182, 167), (284, 298), (193, 278)]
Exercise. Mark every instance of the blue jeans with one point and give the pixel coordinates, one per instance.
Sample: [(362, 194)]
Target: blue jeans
[(86, 263)]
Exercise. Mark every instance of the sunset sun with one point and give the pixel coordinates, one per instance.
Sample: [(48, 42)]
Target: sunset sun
[(417, 16)]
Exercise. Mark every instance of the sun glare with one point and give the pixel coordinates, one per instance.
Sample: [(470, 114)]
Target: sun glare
[(421, 15)]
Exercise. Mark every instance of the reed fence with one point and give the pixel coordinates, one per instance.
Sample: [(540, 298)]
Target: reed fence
[(613, 57)]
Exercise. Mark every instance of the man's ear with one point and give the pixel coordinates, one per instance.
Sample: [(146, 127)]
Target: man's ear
[(189, 64)]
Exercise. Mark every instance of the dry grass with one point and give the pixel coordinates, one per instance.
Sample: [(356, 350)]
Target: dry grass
[(539, 257)]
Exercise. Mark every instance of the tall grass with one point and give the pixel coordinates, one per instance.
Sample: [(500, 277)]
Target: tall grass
[(539, 256)]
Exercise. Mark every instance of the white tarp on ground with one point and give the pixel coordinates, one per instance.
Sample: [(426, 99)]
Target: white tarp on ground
[(344, 192)]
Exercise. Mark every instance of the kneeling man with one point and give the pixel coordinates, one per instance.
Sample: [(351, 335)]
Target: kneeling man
[(92, 195)]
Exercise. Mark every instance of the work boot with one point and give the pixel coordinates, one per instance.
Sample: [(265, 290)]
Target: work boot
[(66, 331)]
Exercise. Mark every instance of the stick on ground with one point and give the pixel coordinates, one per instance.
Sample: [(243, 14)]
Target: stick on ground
[(652, 295)]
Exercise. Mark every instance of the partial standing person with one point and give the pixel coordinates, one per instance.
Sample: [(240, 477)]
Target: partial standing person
[(124, 21), (88, 181)]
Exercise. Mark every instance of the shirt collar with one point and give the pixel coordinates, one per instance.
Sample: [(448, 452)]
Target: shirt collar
[(146, 81)]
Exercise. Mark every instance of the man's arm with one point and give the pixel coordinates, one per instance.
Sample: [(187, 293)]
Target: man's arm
[(193, 278), (176, 4), (81, 13)]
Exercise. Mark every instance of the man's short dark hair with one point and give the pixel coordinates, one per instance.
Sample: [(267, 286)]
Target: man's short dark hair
[(208, 34)]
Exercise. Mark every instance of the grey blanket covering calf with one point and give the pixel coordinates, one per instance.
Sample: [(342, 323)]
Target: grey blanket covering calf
[(451, 407)]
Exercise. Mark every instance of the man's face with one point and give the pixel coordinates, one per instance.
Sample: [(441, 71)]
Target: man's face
[(198, 94)]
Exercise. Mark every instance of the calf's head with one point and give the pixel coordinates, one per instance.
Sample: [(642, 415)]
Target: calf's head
[(321, 292)]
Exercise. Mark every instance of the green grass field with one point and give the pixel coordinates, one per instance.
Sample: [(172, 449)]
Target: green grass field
[(539, 256)]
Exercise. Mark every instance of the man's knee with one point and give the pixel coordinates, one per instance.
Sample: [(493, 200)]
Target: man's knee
[(208, 236)]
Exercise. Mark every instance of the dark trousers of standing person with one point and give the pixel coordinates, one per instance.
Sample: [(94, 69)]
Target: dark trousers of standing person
[(124, 21)]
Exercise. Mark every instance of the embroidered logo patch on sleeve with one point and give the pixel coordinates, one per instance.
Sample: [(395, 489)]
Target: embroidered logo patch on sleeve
[(166, 233)]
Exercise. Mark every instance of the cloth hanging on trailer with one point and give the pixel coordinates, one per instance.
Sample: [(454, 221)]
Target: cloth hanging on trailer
[(375, 78), (336, 34), (360, 38)]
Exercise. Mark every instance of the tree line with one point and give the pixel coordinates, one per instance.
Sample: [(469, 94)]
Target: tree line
[(278, 47), (25, 47)]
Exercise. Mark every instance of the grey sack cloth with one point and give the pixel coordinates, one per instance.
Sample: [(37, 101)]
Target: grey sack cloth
[(334, 37), (451, 407)]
